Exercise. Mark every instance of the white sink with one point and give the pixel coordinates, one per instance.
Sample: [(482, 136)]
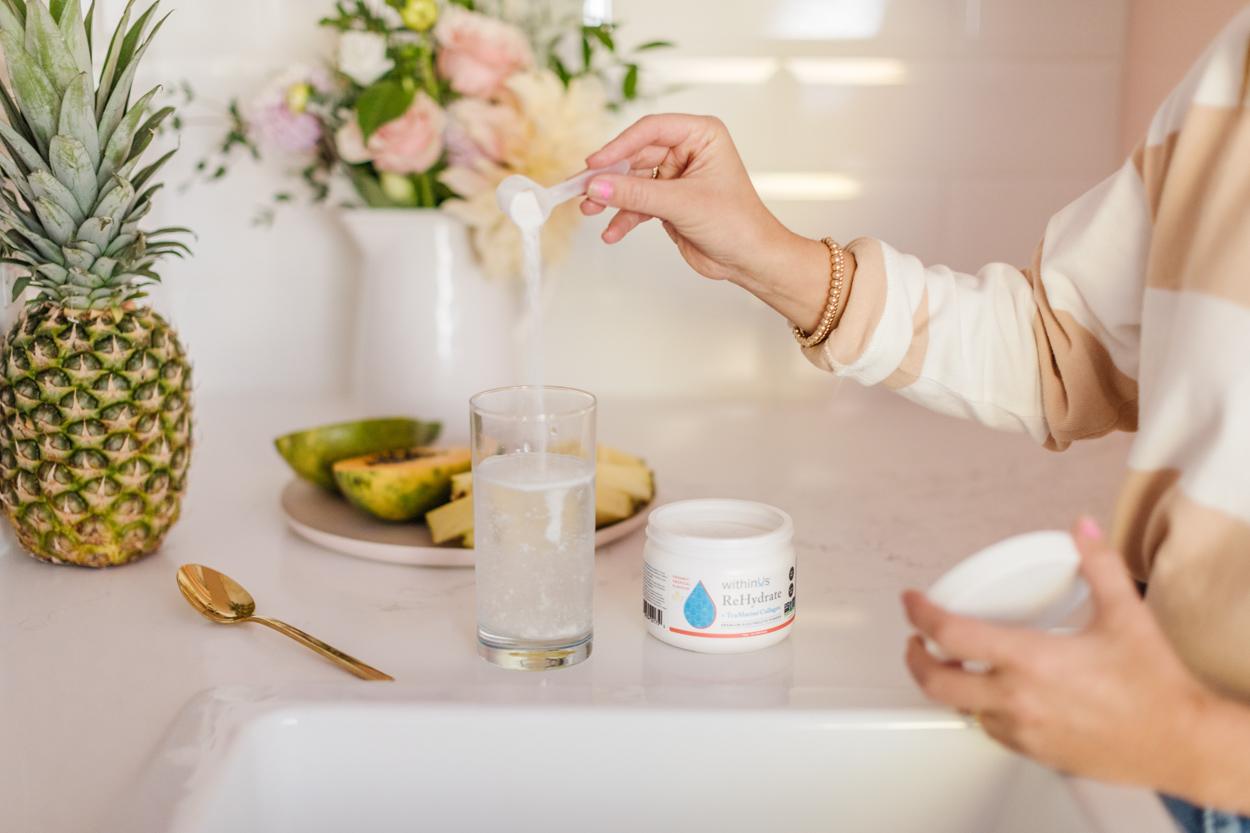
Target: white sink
[(243, 761)]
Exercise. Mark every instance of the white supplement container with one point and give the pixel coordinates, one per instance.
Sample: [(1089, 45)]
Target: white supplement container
[(718, 575)]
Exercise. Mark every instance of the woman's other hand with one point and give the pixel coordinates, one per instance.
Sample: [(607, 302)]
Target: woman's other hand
[(1112, 702), (706, 202)]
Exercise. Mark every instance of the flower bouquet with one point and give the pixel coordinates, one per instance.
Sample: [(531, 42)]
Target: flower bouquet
[(430, 105)]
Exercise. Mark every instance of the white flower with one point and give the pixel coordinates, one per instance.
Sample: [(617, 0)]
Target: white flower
[(362, 57), (557, 129)]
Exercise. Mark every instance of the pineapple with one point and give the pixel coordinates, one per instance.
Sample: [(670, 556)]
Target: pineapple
[(95, 411)]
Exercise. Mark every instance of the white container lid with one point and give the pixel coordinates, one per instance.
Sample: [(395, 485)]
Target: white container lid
[(1031, 580), (719, 526)]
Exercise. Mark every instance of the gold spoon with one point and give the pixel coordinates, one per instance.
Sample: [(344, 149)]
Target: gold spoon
[(219, 598)]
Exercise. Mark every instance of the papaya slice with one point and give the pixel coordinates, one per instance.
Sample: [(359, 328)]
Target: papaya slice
[(313, 453), (401, 485)]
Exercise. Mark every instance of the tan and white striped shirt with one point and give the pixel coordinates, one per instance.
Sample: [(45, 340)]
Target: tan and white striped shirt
[(1135, 315)]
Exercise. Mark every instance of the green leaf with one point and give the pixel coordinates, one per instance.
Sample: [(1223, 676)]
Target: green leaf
[(57, 8), (116, 202), (131, 42), (96, 232), (604, 36), (110, 63), (629, 87), (588, 52), (172, 230), (19, 286), (561, 71), (380, 103), (78, 118), (26, 219), (48, 187), (22, 150), (72, 166), (149, 193), (655, 44), (57, 222), (118, 149), (16, 177), (10, 22), (103, 267), (140, 211), (53, 272), (18, 6), (74, 31), (88, 23), (147, 173), (116, 107), (44, 41), (12, 112), (148, 130), (16, 222), (36, 96), (115, 248), (46, 249), (79, 258)]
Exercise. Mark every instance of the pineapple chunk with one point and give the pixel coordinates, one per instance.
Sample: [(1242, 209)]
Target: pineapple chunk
[(461, 485), (611, 505), (610, 455), (635, 481), (451, 520)]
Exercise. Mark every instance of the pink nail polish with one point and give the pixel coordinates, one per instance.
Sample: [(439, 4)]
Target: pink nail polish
[(601, 190), (1090, 529)]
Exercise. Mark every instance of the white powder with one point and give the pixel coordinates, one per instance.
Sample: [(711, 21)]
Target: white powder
[(526, 213)]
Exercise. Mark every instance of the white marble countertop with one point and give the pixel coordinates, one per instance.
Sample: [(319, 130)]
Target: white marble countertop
[(884, 495)]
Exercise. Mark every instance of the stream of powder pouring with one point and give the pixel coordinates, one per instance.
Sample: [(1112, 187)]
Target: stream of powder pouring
[(528, 216)]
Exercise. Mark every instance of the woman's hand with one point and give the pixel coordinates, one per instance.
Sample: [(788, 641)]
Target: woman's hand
[(709, 208), (1113, 702)]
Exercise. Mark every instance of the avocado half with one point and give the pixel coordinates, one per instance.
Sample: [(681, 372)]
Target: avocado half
[(313, 453), (401, 485)]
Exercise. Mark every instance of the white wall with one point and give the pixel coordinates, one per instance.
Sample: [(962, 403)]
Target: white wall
[(1010, 109)]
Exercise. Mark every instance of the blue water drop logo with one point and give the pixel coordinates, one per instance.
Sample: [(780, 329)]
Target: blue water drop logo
[(700, 610)]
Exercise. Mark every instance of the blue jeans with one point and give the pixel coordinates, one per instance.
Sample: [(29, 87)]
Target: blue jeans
[(1197, 820)]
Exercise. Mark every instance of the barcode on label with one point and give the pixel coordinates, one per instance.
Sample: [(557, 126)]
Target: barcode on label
[(652, 612)]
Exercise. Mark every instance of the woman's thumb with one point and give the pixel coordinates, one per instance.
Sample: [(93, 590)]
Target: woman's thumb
[(1109, 581), (631, 193)]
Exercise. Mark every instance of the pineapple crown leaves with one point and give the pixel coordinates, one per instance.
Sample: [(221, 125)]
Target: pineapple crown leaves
[(73, 193)]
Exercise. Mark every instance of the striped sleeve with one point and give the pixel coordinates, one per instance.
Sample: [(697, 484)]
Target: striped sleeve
[(1050, 350)]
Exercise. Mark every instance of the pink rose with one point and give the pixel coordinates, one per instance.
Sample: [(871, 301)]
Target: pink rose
[(351, 142), (411, 143), (478, 53), (481, 129)]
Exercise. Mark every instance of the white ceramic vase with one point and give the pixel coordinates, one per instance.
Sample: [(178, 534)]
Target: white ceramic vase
[(430, 329)]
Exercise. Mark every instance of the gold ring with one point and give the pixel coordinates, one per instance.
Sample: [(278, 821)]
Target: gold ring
[(655, 172)]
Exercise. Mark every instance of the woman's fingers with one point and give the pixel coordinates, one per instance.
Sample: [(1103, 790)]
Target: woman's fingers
[(961, 637), (665, 131), (1109, 582), (622, 224), (949, 683)]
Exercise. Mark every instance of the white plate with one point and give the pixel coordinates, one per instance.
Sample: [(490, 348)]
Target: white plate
[(330, 522)]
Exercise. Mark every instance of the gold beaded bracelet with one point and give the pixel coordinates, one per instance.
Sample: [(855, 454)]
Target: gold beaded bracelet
[(825, 327)]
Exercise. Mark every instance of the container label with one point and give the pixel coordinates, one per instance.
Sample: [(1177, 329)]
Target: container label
[(726, 608)]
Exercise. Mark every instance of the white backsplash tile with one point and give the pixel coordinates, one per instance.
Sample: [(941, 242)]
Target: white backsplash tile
[(997, 126)]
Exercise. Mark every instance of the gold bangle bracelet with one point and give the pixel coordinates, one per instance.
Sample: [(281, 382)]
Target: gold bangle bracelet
[(837, 265)]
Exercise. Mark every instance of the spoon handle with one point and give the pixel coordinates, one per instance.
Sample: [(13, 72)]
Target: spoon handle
[(336, 656)]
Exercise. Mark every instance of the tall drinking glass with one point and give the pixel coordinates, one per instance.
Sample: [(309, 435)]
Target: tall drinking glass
[(534, 525)]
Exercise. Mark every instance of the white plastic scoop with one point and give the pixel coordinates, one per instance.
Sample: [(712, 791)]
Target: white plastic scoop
[(546, 198)]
